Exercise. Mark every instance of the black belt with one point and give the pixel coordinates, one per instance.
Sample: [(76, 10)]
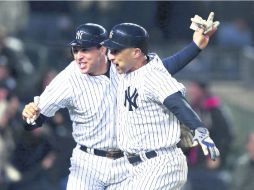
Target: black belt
[(114, 154), (135, 159)]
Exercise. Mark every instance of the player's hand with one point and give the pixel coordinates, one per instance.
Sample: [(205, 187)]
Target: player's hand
[(198, 23), (210, 24), (186, 137), (31, 111), (201, 136), (204, 29)]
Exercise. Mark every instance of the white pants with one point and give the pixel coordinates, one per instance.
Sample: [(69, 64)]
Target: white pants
[(91, 172), (166, 171)]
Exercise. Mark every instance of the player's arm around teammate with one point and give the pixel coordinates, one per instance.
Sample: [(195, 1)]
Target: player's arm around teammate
[(149, 101)]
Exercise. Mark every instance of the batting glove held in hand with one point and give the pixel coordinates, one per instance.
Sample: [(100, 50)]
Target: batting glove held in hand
[(207, 25), (201, 136), (31, 121)]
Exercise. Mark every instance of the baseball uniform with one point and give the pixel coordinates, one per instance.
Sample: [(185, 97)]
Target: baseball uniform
[(91, 101), (145, 124)]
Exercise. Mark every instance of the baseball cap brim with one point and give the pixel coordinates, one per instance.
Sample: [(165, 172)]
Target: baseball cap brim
[(84, 43), (110, 44)]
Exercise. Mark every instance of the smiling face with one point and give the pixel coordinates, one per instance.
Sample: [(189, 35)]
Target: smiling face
[(91, 61)]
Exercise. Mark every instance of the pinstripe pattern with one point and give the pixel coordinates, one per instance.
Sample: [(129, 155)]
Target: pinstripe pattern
[(151, 126), (145, 124), (110, 174), (91, 101), (166, 171), (91, 104)]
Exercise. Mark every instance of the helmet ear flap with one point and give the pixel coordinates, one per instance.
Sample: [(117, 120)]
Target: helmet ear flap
[(73, 51), (72, 54)]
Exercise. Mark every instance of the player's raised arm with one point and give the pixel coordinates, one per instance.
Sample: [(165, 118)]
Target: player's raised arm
[(179, 60), (201, 36)]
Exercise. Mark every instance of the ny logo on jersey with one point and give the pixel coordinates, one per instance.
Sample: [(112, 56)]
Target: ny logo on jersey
[(131, 99)]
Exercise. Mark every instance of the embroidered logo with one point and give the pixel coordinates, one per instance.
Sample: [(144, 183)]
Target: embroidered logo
[(131, 99), (79, 35)]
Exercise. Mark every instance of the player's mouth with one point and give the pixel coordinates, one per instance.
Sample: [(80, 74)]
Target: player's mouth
[(82, 65)]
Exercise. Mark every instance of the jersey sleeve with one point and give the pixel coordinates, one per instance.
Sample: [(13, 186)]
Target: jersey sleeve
[(56, 95), (179, 60), (160, 84), (180, 107)]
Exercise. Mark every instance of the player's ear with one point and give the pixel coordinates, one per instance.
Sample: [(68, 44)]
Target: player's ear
[(103, 50), (137, 52)]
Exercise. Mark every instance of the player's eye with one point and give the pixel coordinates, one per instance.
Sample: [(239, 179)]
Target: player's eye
[(115, 51), (77, 49)]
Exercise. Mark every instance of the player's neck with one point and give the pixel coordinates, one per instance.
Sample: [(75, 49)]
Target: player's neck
[(104, 66), (140, 63)]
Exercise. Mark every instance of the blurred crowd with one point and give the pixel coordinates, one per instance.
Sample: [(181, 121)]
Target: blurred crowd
[(205, 173), (34, 40)]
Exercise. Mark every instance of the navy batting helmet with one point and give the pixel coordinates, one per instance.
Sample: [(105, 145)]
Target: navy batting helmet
[(89, 35), (127, 35)]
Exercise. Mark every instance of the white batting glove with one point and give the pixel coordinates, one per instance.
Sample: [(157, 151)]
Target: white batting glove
[(201, 136), (31, 121), (210, 24), (197, 22), (207, 25)]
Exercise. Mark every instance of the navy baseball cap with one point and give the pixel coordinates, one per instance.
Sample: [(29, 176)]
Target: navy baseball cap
[(89, 35), (127, 35)]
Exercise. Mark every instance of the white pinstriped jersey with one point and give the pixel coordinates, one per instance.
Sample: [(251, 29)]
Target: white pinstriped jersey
[(144, 122), (91, 103)]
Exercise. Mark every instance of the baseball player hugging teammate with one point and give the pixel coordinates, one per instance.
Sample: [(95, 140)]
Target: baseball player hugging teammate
[(88, 88), (150, 104)]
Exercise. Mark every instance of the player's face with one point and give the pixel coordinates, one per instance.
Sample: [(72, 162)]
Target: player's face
[(89, 60), (124, 59)]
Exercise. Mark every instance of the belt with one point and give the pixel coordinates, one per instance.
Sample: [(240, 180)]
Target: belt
[(114, 154), (135, 159)]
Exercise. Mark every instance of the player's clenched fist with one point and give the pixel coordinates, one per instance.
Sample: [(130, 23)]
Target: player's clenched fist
[(31, 111)]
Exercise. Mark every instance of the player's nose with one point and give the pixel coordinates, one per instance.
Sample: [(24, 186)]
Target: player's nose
[(80, 55)]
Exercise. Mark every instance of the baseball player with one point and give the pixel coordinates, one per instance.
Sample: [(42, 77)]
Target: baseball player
[(87, 88), (150, 105)]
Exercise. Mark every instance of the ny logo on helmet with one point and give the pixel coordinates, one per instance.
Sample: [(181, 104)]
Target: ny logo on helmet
[(79, 35), (132, 99)]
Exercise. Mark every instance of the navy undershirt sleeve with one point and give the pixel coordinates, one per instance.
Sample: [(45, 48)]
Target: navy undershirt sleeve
[(179, 106), (178, 61), (38, 123)]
